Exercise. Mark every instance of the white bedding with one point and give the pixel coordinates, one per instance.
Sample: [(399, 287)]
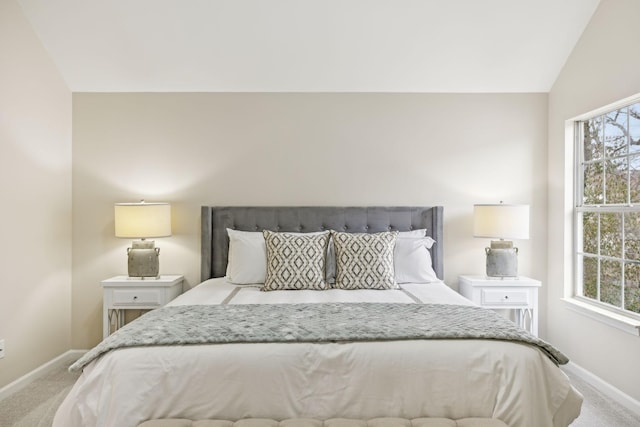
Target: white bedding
[(437, 378), (215, 291)]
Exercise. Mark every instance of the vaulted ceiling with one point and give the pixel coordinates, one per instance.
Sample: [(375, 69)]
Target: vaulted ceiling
[(309, 45)]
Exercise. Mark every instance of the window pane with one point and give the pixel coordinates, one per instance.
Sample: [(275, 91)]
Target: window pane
[(593, 146), (616, 181), (632, 287), (632, 236), (608, 244), (634, 178), (611, 234), (634, 128), (611, 282), (590, 232), (593, 184), (590, 277), (615, 131)]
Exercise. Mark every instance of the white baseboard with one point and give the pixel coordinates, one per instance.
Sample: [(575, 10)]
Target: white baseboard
[(604, 387), (39, 372)]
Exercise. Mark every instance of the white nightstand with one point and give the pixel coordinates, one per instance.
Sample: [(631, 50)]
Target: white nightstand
[(125, 293), (519, 294)]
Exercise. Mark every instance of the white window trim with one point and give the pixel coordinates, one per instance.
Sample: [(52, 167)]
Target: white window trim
[(607, 317), (572, 301)]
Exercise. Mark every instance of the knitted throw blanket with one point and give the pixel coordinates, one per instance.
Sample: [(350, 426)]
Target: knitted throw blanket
[(315, 323)]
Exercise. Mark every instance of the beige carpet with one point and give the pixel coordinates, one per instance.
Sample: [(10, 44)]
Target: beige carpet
[(36, 404), (599, 410)]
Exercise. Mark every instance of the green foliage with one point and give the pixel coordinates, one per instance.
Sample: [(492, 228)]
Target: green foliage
[(590, 277), (611, 177), (610, 282), (632, 287)]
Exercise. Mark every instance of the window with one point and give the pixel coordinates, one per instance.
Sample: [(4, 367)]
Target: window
[(607, 214)]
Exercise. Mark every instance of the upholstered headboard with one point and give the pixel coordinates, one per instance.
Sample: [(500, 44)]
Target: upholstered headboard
[(216, 219)]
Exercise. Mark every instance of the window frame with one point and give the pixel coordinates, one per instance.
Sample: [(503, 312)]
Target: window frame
[(579, 209)]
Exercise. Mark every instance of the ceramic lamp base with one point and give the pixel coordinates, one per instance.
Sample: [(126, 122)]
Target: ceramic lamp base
[(143, 259), (502, 259)]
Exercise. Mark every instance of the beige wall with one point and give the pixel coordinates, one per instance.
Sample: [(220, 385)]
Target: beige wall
[(602, 69), (297, 149), (282, 149), (35, 197)]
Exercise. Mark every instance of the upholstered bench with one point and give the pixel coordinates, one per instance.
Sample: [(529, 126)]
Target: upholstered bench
[(334, 422)]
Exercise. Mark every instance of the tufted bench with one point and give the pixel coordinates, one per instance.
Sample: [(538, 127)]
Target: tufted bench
[(334, 422)]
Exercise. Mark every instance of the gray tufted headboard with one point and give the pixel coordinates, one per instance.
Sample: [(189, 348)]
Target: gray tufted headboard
[(215, 221)]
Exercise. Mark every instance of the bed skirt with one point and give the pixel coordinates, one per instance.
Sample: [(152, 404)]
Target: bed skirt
[(335, 422)]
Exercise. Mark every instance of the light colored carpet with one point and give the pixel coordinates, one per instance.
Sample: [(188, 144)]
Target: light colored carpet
[(36, 404), (599, 410)]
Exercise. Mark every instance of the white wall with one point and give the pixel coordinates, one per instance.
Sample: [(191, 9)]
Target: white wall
[(35, 199), (603, 68), (298, 149)]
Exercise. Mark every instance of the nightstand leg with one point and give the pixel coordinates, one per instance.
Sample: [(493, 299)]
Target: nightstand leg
[(106, 324), (113, 321), (527, 320)]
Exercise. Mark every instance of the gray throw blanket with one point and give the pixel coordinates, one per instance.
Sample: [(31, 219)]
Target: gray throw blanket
[(332, 322)]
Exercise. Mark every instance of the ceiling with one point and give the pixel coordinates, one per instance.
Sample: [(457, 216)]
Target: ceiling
[(309, 45)]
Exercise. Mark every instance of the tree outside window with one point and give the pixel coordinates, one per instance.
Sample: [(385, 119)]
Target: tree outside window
[(608, 209)]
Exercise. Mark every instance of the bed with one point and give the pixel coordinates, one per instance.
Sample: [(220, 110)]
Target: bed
[(346, 371)]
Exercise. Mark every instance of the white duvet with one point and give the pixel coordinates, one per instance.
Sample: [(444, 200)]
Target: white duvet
[(454, 379)]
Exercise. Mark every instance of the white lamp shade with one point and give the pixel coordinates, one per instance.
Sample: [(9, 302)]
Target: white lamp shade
[(142, 220), (501, 221)]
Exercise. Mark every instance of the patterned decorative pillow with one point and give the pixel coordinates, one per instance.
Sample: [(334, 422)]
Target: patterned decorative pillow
[(295, 261), (364, 261)]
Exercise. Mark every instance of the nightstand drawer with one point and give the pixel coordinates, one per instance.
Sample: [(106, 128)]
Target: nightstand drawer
[(505, 297), (518, 295), (123, 293), (133, 297)]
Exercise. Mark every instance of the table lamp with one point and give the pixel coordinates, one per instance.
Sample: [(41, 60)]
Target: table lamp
[(501, 221), (141, 221)]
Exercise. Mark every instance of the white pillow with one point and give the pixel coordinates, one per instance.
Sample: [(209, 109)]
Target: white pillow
[(420, 232), (412, 260), (247, 262)]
